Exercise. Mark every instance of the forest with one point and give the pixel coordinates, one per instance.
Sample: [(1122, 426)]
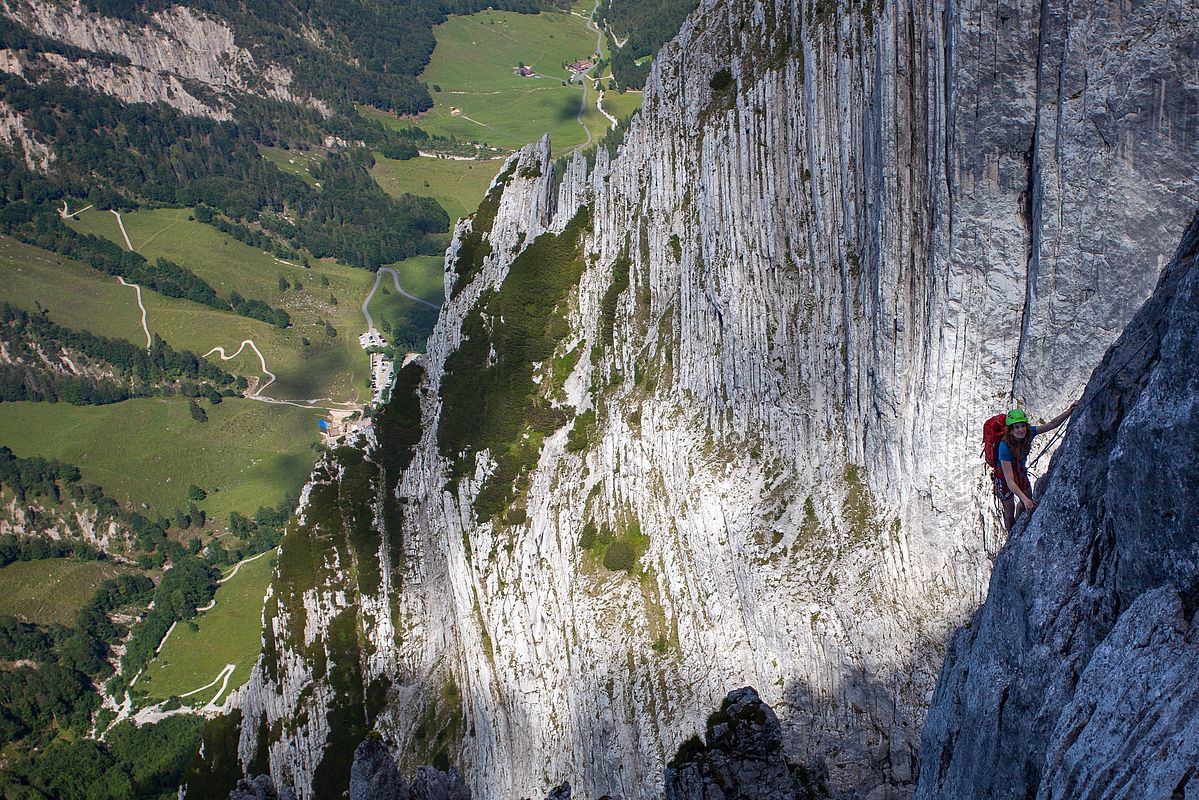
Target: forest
[(646, 26), (136, 371)]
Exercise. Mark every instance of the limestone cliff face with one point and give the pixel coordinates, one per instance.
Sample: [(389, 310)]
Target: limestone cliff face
[(164, 59), (835, 240), (1077, 676)]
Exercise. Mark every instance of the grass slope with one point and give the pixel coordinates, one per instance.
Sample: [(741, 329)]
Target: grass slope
[(405, 322), (473, 65), (76, 295), (622, 106), (150, 450), (53, 590), (293, 162), (458, 186), (327, 367), (228, 633)]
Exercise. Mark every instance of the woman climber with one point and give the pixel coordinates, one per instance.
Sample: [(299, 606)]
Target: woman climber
[(1011, 473)]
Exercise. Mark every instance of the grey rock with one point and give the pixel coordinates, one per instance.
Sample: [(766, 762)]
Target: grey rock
[(741, 757), (433, 784), (560, 792), (260, 788), (1076, 678), (373, 775), (905, 218)]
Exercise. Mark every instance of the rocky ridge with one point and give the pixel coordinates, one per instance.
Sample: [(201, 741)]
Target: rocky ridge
[(850, 236), (174, 51)]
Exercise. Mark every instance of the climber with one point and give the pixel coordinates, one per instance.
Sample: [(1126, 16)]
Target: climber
[(1011, 461)]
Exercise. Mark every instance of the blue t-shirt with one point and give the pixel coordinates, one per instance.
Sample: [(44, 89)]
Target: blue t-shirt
[(1005, 453)]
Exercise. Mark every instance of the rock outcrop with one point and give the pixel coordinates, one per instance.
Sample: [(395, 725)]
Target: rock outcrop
[(834, 241), (1076, 678), (741, 757)]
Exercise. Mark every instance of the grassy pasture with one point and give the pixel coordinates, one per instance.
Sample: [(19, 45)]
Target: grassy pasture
[(228, 633), (76, 295), (622, 106), (293, 162), (402, 320), (423, 276), (473, 65), (458, 186), (149, 450), (52, 590), (328, 367)]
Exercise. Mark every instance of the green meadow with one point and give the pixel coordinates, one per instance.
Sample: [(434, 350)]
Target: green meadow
[(149, 450), (474, 65), (293, 162), (622, 106), (326, 367), (51, 591), (404, 321), (74, 294), (458, 186), (228, 633)]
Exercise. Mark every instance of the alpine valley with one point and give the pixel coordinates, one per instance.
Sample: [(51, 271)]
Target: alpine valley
[(702, 406)]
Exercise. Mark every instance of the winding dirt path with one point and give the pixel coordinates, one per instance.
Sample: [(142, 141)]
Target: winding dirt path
[(67, 213), (395, 279), (257, 389), (121, 225), (599, 104), (138, 289), (224, 674)]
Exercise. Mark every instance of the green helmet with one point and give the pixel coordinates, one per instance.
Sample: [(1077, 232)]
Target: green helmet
[(1016, 416)]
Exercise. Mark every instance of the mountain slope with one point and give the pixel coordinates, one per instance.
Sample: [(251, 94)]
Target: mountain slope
[(834, 242)]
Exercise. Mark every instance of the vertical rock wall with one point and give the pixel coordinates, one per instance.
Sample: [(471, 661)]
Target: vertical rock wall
[(1076, 678), (850, 232)]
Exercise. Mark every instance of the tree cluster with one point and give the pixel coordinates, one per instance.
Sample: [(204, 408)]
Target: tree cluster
[(646, 25), (187, 585), (108, 152), (160, 369)]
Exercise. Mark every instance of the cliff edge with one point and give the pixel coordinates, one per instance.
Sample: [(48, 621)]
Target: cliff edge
[(1076, 677)]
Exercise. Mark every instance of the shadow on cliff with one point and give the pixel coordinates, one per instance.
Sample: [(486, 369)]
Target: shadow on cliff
[(861, 737)]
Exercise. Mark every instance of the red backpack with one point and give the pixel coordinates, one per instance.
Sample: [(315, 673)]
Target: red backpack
[(993, 430)]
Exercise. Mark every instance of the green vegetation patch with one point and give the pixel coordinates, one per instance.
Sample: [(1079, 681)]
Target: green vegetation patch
[(213, 775), (474, 66), (458, 186), (51, 591), (860, 508), (228, 633), (293, 162), (620, 282), (131, 761), (492, 403), (438, 733), (618, 551), (622, 105), (248, 454)]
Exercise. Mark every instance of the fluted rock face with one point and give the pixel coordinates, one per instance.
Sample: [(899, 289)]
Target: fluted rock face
[(746, 450), (1077, 676)]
